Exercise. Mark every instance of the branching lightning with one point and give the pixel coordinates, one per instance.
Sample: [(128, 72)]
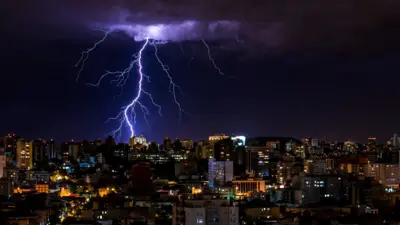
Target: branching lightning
[(85, 55), (172, 85), (128, 115)]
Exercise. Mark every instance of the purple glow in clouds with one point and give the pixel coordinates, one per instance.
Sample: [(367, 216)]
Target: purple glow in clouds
[(178, 31), (153, 35)]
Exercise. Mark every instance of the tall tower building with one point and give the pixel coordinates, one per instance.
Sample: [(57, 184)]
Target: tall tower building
[(39, 150), (10, 148), (70, 150), (51, 148), (24, 154), (2, 162), (395, 141), (167, 143), (73, 150), (372, 144), (219, 172)]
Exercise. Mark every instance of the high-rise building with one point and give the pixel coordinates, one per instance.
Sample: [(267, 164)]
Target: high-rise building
[(167, 143), (315, 143), (24, 154), (258, 160), (52, 153), (177, 145), (371, 146), (73, 150), (39, 150), (110, 141), (202, 150), (316, 167), (284, 171), (223, 150), (70, 150), (2, 162), (219, 172), (10, 148), (395, 141)]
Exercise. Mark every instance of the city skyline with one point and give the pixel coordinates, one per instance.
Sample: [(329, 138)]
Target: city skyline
[(394, 138)]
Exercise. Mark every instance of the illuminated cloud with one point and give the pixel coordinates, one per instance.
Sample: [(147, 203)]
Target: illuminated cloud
[(178, 31), (287, 23)]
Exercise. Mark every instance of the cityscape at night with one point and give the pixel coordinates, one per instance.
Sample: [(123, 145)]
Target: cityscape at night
[(219, 180), (199, 112)]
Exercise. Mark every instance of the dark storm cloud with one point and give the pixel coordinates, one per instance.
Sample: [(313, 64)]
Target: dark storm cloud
[(285, 23)]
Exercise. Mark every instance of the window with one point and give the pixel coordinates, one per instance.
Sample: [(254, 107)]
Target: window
[(199, 221)]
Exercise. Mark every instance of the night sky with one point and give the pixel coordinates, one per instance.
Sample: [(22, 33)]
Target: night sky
[(332, 79)]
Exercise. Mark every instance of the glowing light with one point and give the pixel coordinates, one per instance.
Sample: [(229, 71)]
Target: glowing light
[(136, 99), (127, 115), (154, 35)]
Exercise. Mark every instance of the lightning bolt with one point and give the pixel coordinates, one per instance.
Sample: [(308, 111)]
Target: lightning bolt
[(85, 54), (128, 116), (172, 85), (211, 58), (139, 91)]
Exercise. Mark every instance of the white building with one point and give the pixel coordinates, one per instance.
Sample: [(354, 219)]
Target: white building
[(219, 172), (315, 143), (211, 212), (395, 141)]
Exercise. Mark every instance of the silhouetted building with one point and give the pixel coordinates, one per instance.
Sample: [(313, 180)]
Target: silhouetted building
[(110, 141), (39, 150), (167, 143), (223, 150), (10, 148)]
